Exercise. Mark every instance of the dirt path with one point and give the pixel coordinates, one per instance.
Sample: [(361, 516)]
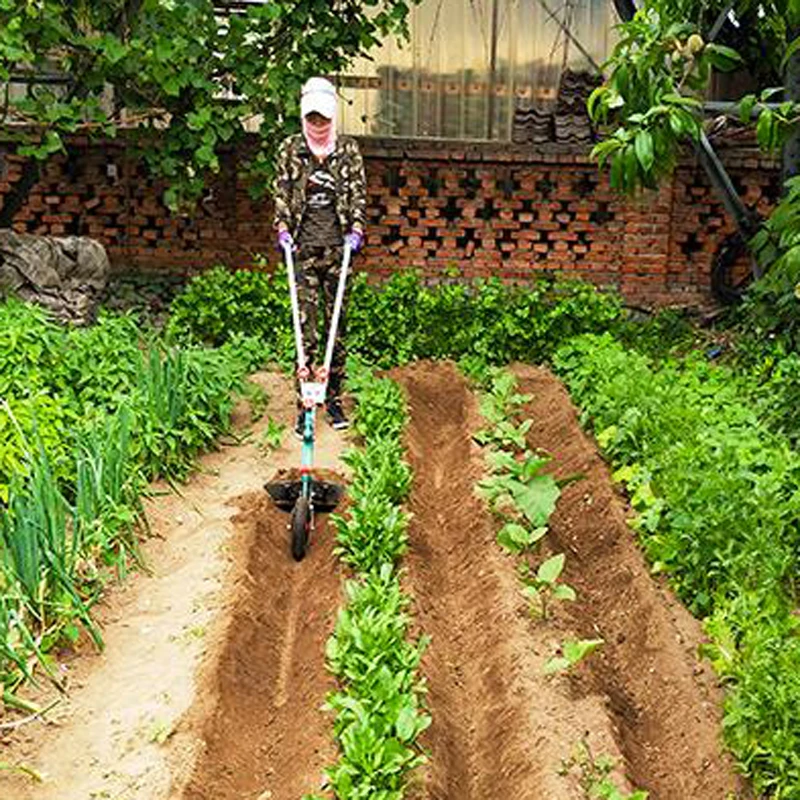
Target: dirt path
[(501, 729), (223, 612)]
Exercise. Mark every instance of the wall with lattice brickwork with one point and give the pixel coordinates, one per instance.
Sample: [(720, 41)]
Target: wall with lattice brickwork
[(488, 210)]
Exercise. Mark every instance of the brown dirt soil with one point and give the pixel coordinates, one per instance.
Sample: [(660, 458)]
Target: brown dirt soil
[(500, 728), (264, 735), (665, 701), (223, 604)]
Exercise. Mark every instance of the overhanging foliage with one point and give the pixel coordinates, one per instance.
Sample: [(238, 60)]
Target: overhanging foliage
[(185, 75)]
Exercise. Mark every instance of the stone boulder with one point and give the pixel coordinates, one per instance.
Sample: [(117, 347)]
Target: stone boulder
[(65, 275)]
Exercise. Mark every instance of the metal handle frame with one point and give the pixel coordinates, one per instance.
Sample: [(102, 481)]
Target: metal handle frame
[(302, 369), (303, 372)]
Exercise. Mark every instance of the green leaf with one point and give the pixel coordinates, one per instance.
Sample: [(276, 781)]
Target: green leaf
[(644, 149), (676, 123), (113, 48), (793, 47), (681, 100), (531, 592), (631, 175), (615, 99), (574, 651), (595, 97), (770, 92), (536, 534), (72, 632), (407, 723), (746, 106), (173, 85), (549, 570), (617, 170), (577, 650), (164, 49), (206, 156), (564, 592), (722, 57), (606, 436), (765, 128), (602, 150), (536, 499), (513, 537), (197, 120)]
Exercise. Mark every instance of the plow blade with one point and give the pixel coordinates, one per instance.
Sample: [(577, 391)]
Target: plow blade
[(324, 495)]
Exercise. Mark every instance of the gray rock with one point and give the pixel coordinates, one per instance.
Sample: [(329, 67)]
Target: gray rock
[(65, 275)]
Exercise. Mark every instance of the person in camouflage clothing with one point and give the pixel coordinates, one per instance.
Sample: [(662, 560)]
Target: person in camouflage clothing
[(320, 202)]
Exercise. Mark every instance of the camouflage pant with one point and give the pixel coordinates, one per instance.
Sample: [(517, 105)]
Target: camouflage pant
[(317, 273)]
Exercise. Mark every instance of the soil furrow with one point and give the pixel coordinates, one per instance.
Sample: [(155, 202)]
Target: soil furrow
[(665, 701), (266, 735), (500, 729)]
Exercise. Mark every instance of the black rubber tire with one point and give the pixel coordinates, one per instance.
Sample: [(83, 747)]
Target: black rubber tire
[(301, 527), (727, 290)]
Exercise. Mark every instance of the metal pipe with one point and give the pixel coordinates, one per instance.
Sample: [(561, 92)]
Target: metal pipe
[(337, 310), (732, 107)]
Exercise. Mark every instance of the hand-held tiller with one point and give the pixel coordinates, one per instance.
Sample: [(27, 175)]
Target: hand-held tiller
[(308, 495)]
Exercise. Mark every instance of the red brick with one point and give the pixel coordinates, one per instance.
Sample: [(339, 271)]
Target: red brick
[(639, 248)]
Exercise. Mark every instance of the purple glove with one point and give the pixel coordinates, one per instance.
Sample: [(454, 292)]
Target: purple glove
[(285, 240), (355, 239)]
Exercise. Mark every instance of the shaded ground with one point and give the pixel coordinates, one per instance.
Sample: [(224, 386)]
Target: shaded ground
[(214, 672)]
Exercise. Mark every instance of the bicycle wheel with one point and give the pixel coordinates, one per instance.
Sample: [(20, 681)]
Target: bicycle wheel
[(728, 279)]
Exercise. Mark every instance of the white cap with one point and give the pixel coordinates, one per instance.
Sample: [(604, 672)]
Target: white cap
[(318, 95)]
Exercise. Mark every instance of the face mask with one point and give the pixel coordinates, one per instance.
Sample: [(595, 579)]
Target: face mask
[(321, 138)]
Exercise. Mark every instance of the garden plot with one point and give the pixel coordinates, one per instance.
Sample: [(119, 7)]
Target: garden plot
[(253, 727), (500, 727), (665, 701)]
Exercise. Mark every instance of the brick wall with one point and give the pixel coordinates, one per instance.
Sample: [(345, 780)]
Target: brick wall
[(489, 210)]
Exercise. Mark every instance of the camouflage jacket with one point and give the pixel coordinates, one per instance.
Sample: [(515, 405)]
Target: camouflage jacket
[(295, 163)]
